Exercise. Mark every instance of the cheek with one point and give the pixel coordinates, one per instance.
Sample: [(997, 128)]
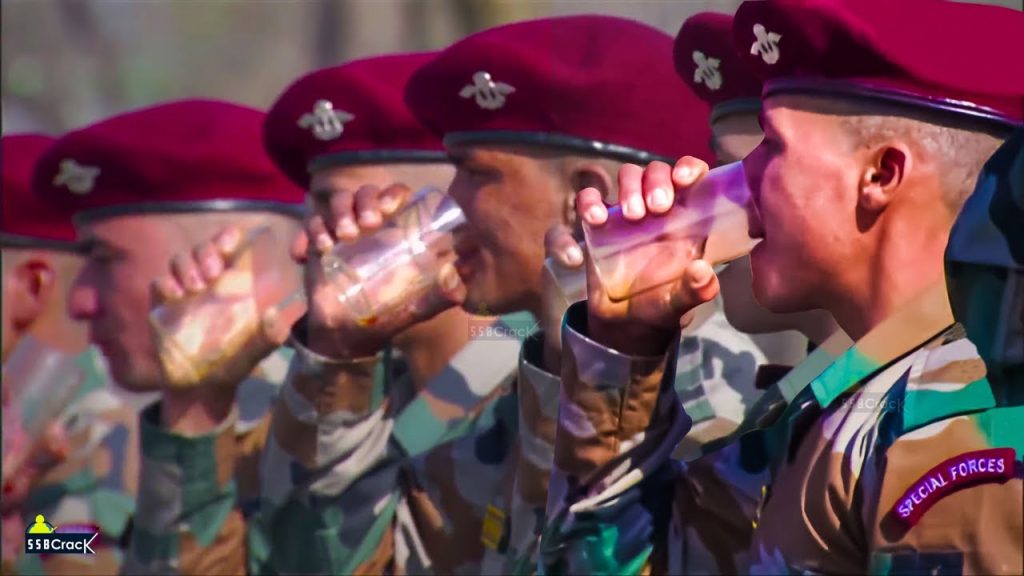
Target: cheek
[(125, 293), (494, 216)]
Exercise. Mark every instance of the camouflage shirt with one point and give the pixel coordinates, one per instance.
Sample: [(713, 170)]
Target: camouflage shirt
[(314, 488), (896, 458), (161, 521)]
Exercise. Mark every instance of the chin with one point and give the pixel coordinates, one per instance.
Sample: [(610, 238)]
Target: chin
[(488, 301), (772, 294), (742, 321), (478, 303)]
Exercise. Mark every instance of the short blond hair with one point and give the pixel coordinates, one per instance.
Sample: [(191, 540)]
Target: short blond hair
[(957, 151)]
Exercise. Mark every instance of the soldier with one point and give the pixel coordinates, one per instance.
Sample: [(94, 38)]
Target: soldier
[(326, 470), (518, 109), (901, 456), (76, 475), (718, 384), (143, 186)]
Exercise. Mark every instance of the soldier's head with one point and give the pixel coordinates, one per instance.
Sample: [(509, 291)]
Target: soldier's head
[(38, 252), (533, 112), (340, 129), (985, 263), (871, 144), (147, 185)]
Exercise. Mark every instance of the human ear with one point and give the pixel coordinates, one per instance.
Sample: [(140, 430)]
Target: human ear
[(882, 176)]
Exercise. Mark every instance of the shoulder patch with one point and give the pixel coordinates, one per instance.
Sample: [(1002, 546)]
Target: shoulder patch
[(956, 473)]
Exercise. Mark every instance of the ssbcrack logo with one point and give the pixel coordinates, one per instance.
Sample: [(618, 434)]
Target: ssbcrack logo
[(45, 538)]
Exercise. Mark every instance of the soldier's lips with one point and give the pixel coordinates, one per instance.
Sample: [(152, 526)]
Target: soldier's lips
[(466, 262)]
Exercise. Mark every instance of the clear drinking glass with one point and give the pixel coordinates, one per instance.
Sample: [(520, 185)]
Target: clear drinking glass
[(710, 223), (39, 384), (197, 335), (570, 285), (397, 266)]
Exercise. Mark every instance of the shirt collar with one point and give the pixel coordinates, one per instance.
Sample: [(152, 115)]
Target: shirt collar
[(920, 320)]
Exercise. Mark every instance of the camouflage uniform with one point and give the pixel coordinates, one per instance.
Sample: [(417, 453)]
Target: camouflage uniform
[(476, 504), (96, 484), (322, 474), (819, 490), (717, 378), (254, 398)]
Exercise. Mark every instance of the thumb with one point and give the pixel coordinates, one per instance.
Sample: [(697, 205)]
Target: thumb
[(450, 284), (702, 281), (275, 329), (698, 285), (278, 320), (300, 247)]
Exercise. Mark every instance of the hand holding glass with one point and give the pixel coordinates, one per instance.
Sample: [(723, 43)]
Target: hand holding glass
[(709, 222), (198, 336), (395, 270)]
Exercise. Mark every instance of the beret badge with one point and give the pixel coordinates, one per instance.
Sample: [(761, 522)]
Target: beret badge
[(326, 123), (707, 71), (766, 44), (489, 95), (78, 179)]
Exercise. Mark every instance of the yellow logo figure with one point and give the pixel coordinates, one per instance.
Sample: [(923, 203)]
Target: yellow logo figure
[(41, 526)]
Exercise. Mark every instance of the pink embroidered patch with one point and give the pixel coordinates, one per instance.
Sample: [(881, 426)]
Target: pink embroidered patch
[(958, 472)]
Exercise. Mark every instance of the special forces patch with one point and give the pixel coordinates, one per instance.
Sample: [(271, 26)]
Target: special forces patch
[(958, 472)]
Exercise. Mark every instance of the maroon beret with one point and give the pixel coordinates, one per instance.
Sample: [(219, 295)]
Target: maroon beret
[(183, 156), (353, 113), (593, 84), (27, 221), (707, 61), (955, 57)]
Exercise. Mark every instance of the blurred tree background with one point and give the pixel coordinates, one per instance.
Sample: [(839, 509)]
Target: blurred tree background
[(66, 63)]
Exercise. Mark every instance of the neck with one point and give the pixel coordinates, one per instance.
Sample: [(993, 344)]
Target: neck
[(818, 326), (907, 259), (429, 346)]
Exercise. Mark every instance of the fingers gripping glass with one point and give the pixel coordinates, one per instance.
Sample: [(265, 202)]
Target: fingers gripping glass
[(397, 266), (197, 335), (709, 222)]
